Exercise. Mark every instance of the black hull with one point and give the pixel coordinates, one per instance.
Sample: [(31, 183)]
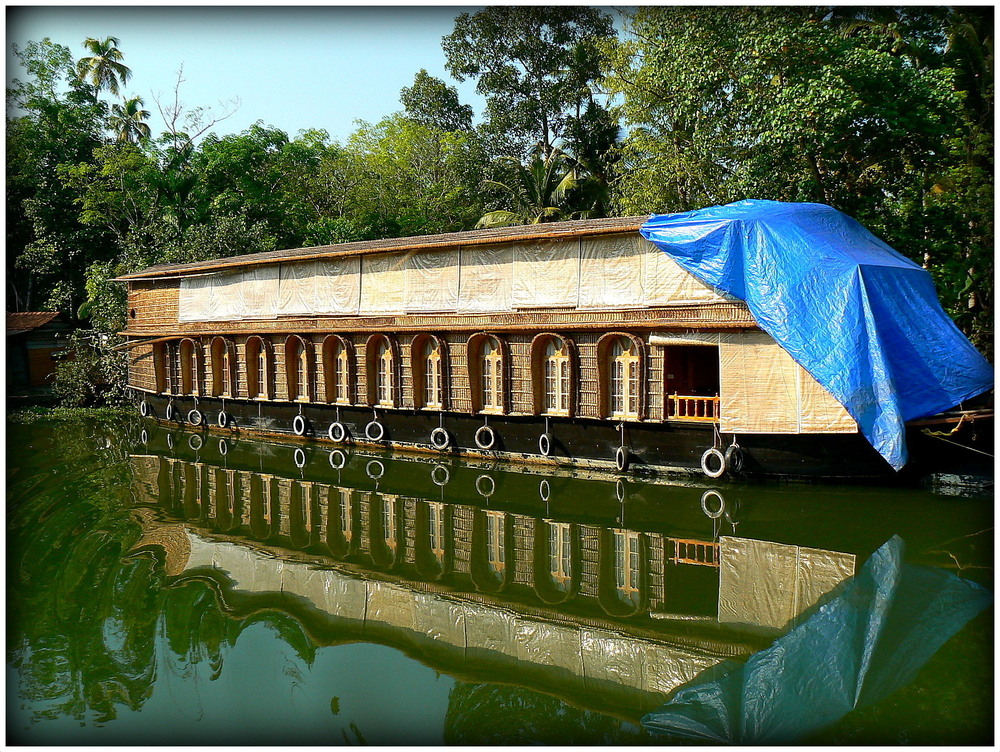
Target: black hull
[(653, 448)]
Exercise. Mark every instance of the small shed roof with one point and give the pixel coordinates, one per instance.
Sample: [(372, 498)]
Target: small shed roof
[(26, 321), (546, 231)]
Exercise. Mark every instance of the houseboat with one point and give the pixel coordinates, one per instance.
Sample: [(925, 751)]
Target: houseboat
[(571, 343)]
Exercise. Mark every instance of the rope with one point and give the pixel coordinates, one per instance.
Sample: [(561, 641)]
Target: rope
[(940, 435), (958, 425)]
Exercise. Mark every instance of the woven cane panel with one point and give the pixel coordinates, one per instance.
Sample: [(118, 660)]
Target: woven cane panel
[(520, 374), (524, 539), (587, 394), (654, 382), (462, 536), (657, 591), (405, 372), (280, 381), (361, 387), (241, 367), (759, 386), (711, 316), (409, 513), (155, 303), (364, 501), (590, 558), (320, 366), (141, 371), (458, 374)]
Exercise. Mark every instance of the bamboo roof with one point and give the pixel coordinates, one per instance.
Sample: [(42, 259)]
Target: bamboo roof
[(546, 231), (20, 323)]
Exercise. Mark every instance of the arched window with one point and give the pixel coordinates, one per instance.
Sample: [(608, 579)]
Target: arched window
[(385, 374), (496, 541), (299, 368), (556, 378), (174, 367), (341, 525), (553, 389), (428, 366), (382, 364), (190, 366), (492, 375), (389, 522), (338, 369), (487, 380), (223, 368), (344, 512), (435, 529), (302, 503), (385, 531), (260, 368), (620, 379), (627, 566), (624, 379), (265, 506), (560, 554), (161, 366)]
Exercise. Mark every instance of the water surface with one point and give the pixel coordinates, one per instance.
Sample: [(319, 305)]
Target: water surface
[(166, 588)]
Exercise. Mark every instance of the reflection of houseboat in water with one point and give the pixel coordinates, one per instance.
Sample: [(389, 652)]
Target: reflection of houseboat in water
[(619, 610), (570, 343)]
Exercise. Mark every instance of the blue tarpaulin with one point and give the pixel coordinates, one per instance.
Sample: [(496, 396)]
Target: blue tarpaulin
[(870, 639), (861, 318)]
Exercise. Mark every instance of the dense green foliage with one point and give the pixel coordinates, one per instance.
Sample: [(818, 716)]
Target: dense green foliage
[(886, 114), (534, 65)]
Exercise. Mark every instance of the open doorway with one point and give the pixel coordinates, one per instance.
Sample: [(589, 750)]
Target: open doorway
[(691, 381)]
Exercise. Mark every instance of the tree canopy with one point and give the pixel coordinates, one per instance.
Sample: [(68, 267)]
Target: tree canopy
[(879, 113), (532, 66)]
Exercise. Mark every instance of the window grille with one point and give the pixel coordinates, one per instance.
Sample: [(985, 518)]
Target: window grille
[(433, 375), (492, 376), (624, 380)]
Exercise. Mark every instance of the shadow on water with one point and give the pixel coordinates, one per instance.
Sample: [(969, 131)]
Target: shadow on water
[(176, 587)]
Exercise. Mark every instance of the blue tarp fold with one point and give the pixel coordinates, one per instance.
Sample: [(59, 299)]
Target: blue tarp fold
[(870, 639), (861, 318)]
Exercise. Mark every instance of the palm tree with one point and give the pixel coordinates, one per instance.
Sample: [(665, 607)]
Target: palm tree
[(104, 68), (127, 120), (538, 191)]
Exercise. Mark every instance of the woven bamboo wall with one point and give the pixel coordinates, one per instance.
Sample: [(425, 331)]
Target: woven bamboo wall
[(524, 543), (155, 304), (361, 350), (520, 374), (519, 368), (762, 390), (586, 347), (280, 382), (141, 373), (461, 390), (655, 380)]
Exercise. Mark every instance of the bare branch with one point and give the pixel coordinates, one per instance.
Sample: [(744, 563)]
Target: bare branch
[(188, 126)]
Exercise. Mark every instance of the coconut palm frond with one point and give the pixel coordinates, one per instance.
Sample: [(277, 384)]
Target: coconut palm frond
[(127, 120), (500, 218), (104, 68)]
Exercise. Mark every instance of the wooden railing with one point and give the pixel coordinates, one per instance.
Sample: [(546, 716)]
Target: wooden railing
[(683, 407), (691, 551)]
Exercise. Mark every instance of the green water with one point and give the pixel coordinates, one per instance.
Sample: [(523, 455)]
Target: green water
[(148, 605)]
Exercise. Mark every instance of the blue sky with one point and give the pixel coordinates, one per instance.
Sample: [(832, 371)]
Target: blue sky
[(293, 68)]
